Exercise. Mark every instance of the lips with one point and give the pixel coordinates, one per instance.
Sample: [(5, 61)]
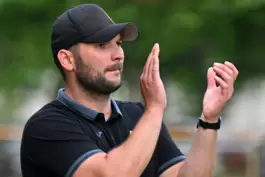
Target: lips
[(114, 69)]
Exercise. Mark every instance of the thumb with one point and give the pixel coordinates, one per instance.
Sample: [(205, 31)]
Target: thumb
[(210, 78)]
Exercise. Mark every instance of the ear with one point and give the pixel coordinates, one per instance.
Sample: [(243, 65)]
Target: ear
[(66, 59)]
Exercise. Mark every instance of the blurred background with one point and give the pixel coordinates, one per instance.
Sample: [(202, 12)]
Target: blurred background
[(192, 36)]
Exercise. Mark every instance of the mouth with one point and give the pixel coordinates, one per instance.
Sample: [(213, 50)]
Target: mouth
[(113, 69)]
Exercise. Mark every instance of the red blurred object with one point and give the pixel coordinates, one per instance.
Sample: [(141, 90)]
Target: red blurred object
[(234, 160)]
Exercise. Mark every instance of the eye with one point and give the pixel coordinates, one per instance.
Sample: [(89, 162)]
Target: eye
[(119, 43), (102, 45)]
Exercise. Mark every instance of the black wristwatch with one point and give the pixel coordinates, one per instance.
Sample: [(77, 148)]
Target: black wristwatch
[(207, 125)]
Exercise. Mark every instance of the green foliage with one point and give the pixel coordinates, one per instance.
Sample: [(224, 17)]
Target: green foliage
[(192, 35)]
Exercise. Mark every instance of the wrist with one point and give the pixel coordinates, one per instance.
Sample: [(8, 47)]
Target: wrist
[(209, 119), (210, 123)]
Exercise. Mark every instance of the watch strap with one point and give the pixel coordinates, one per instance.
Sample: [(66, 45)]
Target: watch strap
[(207, 125)]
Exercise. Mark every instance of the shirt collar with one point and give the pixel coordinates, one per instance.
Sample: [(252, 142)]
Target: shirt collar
[(89, 113)]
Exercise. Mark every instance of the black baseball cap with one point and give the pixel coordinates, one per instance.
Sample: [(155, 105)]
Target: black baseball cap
[(88, 23)]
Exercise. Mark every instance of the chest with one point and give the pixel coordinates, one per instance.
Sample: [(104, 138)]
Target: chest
[(111, 134), (107, 134)]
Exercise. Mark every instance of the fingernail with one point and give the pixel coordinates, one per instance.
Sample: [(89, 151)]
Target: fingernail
[(216, 63), (154, 46), (210, 69)]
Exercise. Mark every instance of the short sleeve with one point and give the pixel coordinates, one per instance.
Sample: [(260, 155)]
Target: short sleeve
[(57, 144), (167, 151)]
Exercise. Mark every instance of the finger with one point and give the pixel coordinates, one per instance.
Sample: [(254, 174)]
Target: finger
[(149, 57), (223, 85), (210, 78), (155, 64), (156, 50), (147, 65), (233, 68), (150, 70), (224, 68), (227, 78)]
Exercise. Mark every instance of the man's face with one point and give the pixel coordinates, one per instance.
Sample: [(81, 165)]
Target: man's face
[(98, 67)]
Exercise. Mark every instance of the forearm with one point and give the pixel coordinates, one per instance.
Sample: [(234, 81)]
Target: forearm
[(201, 159), (134, 154)]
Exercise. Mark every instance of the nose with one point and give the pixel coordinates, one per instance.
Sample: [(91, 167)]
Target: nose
[(118, 54)]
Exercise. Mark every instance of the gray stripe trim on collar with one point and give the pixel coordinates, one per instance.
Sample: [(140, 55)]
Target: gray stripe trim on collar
[(67, 101)]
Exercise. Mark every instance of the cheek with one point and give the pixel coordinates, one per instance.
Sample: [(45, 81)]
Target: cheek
[(97, 61), (96, 66), (101, 63)]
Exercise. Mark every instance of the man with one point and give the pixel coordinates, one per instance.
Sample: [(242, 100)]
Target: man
[(85, 133)]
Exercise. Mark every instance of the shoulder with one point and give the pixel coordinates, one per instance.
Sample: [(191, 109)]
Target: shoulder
[(50, 110), (52, 115)]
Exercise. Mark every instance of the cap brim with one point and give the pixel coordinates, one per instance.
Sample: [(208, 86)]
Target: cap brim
[(128, 31)]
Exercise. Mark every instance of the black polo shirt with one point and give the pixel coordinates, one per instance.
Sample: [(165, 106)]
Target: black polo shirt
[(63, 133)]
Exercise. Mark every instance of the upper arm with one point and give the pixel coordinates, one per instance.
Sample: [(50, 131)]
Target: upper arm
[(59, 145), (169, 155)]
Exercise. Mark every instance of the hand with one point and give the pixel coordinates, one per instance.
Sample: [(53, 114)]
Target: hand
[(216, 97), (152, 87)]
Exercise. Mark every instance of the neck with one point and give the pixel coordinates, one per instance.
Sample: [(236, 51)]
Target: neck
[(98, 102)]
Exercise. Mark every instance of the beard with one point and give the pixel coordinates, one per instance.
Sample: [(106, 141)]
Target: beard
[(94, 81)]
